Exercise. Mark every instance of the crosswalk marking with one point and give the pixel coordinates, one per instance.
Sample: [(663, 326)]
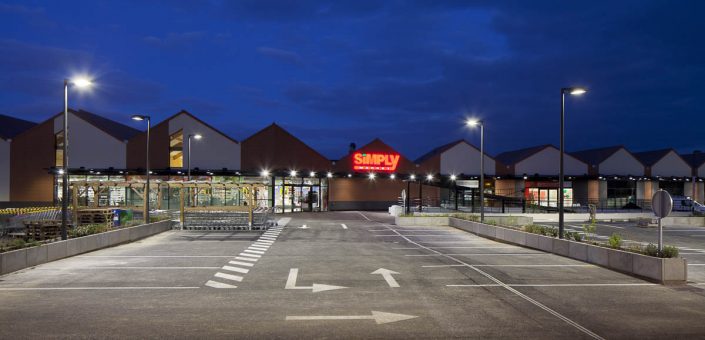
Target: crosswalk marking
[(216, 284), (238, 263), (236, 269), (237, 278)]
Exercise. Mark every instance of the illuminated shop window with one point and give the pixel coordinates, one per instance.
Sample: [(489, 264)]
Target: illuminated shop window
[(176, 150), (59, 147)]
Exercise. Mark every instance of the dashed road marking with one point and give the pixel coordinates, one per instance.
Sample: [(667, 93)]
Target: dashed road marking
[(238, 263), (236, 269), (216, 284)]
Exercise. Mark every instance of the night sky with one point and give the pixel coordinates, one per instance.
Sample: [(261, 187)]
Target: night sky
[(350, 71)]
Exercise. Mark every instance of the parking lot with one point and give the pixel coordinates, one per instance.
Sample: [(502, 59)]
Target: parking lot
[(339, 275)]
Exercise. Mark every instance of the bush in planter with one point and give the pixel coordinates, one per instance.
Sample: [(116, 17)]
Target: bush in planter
[(651, 250), (615, 241), (589, 230), (578, 236), (669, 252)]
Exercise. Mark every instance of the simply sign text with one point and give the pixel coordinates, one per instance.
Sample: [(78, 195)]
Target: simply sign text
[(375, 161)]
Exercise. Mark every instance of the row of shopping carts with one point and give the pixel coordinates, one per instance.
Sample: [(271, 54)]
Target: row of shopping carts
[(227, 220)]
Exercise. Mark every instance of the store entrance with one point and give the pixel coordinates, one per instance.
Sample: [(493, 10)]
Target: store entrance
[(299, 198)]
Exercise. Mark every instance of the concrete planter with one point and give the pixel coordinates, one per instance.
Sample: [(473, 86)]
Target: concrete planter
[(411, 221), (666, 271), (23, 258)]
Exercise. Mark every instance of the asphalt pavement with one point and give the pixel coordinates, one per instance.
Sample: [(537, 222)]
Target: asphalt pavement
[(338, 275)]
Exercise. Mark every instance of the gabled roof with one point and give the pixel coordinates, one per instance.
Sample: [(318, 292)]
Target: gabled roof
[(650, 158), (405, 165), (598, 155), (695, 159), (441, 149), (516, 156), (11, 126), (196, 119), (119, 131), (275, 128)]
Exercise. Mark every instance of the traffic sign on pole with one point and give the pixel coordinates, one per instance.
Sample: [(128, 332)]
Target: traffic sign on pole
[(662, 204)]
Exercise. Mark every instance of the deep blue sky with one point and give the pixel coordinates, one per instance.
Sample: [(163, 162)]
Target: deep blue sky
[(349, 71)]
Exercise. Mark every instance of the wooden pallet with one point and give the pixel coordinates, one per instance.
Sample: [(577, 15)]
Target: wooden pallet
[(95, 216), (42, 230)]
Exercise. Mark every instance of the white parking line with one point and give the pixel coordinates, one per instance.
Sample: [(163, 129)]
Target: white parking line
[(512, 265), (151, 256), (562, 285), (229, 276), (236, 269), (245, 259), (485, 254), (150, 268), (91, 288), (216, 284)]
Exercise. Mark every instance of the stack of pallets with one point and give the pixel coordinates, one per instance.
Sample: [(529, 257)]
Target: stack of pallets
[(42, 230), (95, 216)]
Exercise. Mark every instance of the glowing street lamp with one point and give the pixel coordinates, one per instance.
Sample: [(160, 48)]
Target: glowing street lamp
[(573, 91), (474, 123), (79, 83), (140, 118)]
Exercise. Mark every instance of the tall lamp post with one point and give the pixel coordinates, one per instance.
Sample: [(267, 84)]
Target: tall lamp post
[(79, 83), (574, 91), (146, 188), (188, 154), (481, 124)]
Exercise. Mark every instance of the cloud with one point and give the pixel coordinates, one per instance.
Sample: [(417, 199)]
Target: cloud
[(284, 56)]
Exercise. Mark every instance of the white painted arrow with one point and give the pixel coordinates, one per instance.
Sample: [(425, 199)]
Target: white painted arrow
[(379, 317), (387, 275), (315, 288), (303, 227), (344, 226)]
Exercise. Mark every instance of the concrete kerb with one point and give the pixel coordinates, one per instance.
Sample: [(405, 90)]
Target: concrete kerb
[(665, 271), (23, 258)]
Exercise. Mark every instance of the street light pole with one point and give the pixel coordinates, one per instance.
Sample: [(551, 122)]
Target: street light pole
[(65, 166), (80, 83), (575, 91), (188, 153), (481, 124), (146, 188)]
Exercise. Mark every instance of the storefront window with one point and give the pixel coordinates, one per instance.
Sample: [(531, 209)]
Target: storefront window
[(675, 188), (176, 150)]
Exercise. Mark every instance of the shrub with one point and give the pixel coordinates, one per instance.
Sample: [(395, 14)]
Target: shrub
[(651, 250), (635, 248), (615, 241), (88, 229), (491, 222), (669, 252), (589, 230), (578, 236)]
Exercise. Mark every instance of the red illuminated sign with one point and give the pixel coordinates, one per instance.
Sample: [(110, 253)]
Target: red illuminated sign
[(375, 161)]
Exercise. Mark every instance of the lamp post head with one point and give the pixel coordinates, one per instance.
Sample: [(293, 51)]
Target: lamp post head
[(196, 136), (574, 91), (264, 173), (82, 82), (140, 118), (472, 122)]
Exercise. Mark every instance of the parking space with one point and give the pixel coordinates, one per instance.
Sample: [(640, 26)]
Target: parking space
[(344, 275)]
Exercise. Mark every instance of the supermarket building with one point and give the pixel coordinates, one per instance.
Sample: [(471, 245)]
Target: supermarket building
[(293, 177)]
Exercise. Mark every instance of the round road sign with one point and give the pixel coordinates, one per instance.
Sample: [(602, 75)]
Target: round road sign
[(662, 203)]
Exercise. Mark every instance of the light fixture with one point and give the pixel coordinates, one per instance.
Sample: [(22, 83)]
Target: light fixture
[(197, 136), (138, 118), (372, 175), (412, 177), (453, 177), (82, 82), (61, 171), (329, 175), (473, 122), (264, 173), (292, 173), (392, 176), (429, 177), (576, 91), (312, 174), (526, 177), (349, 175)]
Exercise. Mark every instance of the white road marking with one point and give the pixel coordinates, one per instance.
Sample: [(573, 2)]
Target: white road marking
[(363, 215), (91, 288), (150, 268), (344, 226), (387, 275), (480, 247), (150, 256), (406, 248), (379, 317), (257, 247), (315, 288), (245, 259), (216, 284), (696, 264), (238, 263), (609, 226), (516, 292), (486, 254), (265, 241), (254, 251), (267, 238), (422, 235), (236, 269), (561, 285), (265, 245), (250, 255), (303, 227), (237, 278), (512, 265)]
